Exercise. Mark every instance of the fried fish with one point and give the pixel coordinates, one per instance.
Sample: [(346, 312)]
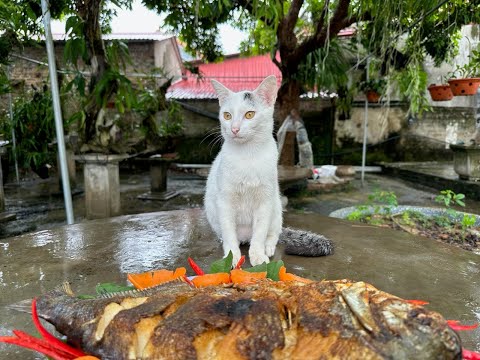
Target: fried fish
[(267, 320)]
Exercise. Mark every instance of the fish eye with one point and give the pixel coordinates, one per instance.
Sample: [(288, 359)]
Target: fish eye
[(249, 114), (227, 116)]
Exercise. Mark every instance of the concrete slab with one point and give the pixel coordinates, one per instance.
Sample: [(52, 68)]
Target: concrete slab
[(105, 250), (438, 175), (160, 196)]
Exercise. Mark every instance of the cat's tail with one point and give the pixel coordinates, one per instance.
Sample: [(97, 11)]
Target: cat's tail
[(305, 243)]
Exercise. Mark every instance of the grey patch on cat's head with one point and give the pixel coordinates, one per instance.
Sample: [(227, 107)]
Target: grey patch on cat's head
[(247, 96)]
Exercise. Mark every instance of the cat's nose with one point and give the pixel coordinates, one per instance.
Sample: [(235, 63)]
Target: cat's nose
[(235, 130)]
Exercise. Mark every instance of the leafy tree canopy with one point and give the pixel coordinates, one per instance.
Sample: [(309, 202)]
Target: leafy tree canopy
[(304, 31)]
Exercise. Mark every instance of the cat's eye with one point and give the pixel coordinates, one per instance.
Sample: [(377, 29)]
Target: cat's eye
[(249, 114), (227, 116)]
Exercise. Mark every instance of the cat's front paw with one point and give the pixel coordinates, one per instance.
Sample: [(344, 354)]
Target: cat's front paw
[(270, 250), (257, 258), (271, 245), (236, 256)]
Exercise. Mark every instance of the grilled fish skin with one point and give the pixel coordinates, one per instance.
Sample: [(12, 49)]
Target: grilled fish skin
[(268, 320)]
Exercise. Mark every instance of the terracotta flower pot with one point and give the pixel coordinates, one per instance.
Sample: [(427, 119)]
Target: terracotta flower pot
[(372, 96), (464, 87), (440, 92)]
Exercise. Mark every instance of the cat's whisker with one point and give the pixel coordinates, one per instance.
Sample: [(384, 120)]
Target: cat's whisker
[(214, 142), (213, 139), (212, 132), (207, 137)]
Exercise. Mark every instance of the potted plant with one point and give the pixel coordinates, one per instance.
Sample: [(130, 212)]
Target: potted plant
[(373, 89), (468, 80), (440, 92)]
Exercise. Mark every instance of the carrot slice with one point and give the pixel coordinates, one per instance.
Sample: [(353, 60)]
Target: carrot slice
[(211, 279), (152, 278), (240, 276), (179, 272), (87, 357), (284, 276)]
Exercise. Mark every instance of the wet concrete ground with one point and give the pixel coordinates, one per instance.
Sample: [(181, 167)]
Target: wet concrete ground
[(38, 204), (97, 251)]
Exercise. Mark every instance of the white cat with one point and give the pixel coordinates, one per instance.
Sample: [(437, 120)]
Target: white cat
[(242, 199)]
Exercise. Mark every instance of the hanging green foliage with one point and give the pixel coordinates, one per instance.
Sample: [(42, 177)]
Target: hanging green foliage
[(34, 127), (303, 33)]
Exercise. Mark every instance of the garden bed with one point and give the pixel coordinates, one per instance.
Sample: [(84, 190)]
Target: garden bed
[(446, 225)]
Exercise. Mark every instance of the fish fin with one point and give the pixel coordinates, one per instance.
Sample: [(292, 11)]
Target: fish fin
[(140, 293), (67, 289)]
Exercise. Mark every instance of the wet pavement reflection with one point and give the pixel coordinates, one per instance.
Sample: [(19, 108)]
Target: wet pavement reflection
[(105, 250)]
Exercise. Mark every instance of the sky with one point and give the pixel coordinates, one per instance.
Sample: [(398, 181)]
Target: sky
[(142, 20)]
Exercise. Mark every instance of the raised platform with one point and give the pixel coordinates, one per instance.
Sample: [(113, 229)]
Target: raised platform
[(437, 175), (6, 216)]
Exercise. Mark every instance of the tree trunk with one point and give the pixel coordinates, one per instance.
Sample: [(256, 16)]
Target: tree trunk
[(89, 12), (288, 99)]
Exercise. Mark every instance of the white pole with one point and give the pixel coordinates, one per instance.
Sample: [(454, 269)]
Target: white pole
[(57, 113), (365, 129)]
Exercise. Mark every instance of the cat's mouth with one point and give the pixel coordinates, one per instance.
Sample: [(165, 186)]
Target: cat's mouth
[(238, 139)]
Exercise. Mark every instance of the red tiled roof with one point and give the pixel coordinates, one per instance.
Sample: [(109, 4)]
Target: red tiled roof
[(236, 73), (154, 36)]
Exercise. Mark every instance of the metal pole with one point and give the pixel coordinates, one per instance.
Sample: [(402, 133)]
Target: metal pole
[(365, 129), (57, 113), (14, 139)]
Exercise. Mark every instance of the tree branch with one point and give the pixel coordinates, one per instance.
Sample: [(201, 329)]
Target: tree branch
[(339, 21), (324, 14), (287, 40), (274, 58), (248, 6), (290, 20)]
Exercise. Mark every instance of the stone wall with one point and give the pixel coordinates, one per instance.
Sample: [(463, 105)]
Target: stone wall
[(383, 121), (196, 124), (428, 138), (146, 55), (423, 139)]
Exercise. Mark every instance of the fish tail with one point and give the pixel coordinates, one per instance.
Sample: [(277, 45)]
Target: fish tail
[(25, 306)]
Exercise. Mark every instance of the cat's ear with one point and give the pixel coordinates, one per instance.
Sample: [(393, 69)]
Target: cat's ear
[(222, 92), (267, 90)]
